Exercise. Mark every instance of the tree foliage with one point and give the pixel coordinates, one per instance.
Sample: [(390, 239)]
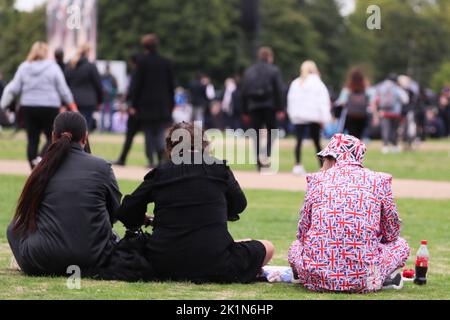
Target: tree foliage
[(19, 31), (205, 35)]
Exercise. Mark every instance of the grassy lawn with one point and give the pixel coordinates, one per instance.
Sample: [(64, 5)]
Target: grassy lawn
[(270, 215), (429, 163)]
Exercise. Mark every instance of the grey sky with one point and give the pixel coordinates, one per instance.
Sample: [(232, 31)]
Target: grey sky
[(347, 5)]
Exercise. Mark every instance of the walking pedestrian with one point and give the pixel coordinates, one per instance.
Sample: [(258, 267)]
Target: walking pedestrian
[(42, 89), (153, 97), (309, 109), (84, 80), (262, 97), (356, 100), (390, 100)]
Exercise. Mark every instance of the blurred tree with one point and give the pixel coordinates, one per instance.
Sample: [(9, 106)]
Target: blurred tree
[(19, 31), (412, 39), (334, 41), (441, 78), (288, 31), (197, 35)]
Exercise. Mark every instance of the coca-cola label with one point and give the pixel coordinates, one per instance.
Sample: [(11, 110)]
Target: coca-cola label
[(421, 262)]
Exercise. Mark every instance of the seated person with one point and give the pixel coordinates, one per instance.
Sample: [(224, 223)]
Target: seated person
[(348, 233), (193, 202), (64, 214)]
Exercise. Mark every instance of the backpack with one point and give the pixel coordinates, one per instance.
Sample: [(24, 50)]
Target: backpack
[(259, 84), (357, 105), (387, 96)]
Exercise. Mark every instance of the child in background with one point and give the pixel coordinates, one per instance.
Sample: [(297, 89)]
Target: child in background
[(182, 111), (120, 120)]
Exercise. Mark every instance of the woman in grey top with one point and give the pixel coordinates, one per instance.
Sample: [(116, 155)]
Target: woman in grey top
[(43, 90)]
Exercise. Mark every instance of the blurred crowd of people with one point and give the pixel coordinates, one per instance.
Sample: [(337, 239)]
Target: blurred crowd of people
[(397, 109)]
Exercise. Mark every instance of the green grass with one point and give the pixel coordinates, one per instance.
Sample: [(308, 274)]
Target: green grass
[(430, 163), (270, 215)]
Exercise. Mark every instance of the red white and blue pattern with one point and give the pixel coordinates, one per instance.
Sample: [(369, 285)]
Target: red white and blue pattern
[(348, 233)]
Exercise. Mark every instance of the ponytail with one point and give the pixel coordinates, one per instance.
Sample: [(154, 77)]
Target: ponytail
[(69, 127)]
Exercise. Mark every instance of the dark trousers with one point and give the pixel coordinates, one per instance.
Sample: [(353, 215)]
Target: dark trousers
[(154, 142), (38, 120), (356, 126), (87, 113), (133, 127), (14, 244), (314, 133), (263, 118)]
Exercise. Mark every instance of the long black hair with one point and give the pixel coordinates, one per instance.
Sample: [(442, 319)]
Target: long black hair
[(68, 127)]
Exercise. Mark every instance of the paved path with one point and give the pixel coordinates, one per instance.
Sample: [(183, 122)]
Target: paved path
[(417, 189)]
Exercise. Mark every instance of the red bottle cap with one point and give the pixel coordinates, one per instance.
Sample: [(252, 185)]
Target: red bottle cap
[(425, 242)]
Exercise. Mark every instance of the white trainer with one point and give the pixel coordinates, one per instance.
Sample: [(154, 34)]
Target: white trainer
[(299, 170)]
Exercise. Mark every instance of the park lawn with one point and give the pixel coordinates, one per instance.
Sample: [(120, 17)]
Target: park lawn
[(270, 215), (430, 164)]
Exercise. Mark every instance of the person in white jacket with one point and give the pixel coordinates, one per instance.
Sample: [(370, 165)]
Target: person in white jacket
[(309, 108)]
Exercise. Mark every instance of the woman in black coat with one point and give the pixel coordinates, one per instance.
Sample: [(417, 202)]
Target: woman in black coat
[(65, 212), (85, 83), (193, 202)]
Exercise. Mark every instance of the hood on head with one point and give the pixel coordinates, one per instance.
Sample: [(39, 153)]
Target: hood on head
[(345, 149)]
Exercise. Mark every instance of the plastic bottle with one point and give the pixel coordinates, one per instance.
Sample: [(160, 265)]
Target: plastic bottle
[(422, 264)]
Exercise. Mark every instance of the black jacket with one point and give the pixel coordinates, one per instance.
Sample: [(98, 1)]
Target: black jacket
[(85, 83), (74, 222), (267, 78), (197, 92), (192, 206), (153, 89)]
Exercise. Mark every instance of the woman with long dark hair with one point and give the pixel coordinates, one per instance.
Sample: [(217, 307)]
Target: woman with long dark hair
[(65, 212), (194, 196), (355, 99)]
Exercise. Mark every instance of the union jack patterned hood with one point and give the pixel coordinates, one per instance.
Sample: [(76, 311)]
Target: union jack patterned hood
[(345, 149)]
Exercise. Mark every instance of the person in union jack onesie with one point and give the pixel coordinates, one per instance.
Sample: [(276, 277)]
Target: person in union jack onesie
[(348, 234)]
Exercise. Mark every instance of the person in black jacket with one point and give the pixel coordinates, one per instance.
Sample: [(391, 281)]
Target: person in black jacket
[(193, 202), (262, 95), (85, 83), (65, 212), (153, 97), (134, 123)]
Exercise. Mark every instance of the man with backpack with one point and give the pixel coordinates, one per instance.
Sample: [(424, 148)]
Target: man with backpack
[(390, 100), (262, 98)]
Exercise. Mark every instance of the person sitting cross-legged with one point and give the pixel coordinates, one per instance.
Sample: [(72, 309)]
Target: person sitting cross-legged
[(348, 233)]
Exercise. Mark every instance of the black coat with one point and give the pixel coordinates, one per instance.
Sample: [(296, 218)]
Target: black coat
[(153, 89), (193, 203), (198, 95), (74, 221), (85, 83), (256, 77)]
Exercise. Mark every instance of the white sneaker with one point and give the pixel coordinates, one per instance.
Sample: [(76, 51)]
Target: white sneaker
[(396, 149), (299, 170), (385, 150), (36, 161)]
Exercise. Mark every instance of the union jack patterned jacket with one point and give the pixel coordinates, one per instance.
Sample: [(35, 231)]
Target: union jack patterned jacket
[(348, 233)]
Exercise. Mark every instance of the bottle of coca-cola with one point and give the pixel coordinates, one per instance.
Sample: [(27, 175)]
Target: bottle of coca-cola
[(422, 264)]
